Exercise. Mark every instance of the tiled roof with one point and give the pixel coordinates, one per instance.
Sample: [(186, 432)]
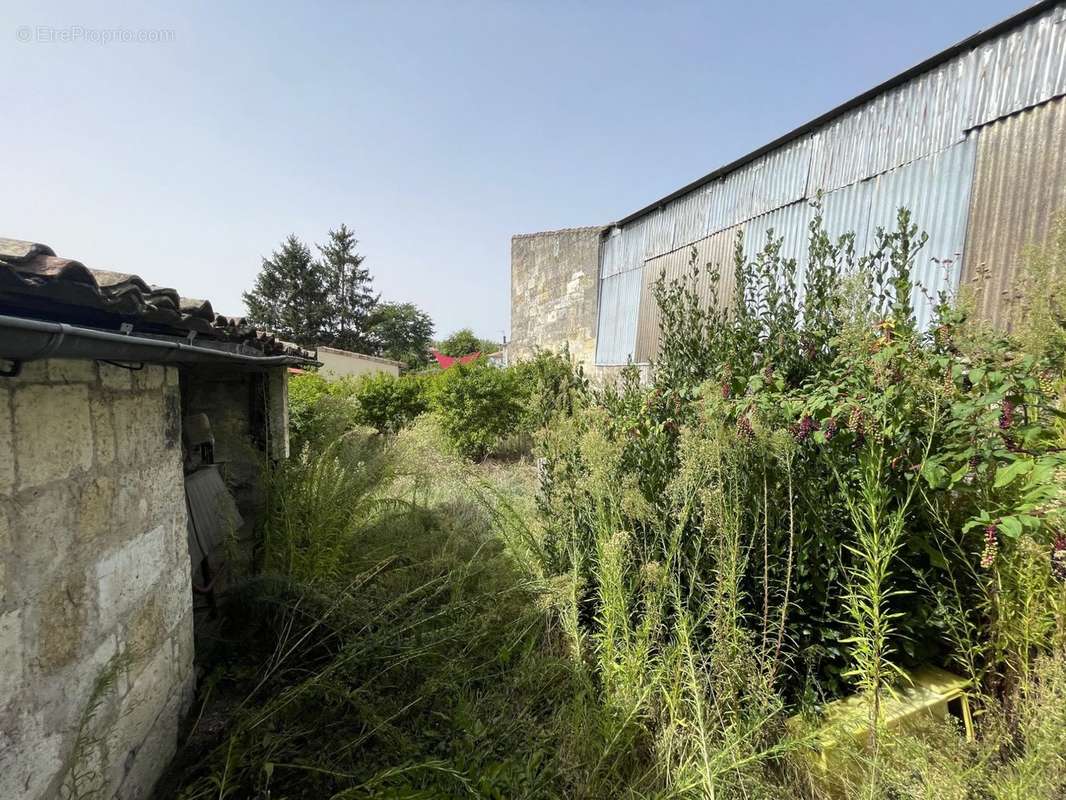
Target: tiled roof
[(36, 283)]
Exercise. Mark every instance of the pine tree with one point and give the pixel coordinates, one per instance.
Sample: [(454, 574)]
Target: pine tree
[(289, 297), (404, 332), (351, 300)]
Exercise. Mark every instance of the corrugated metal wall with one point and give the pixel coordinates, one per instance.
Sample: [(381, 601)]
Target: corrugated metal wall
[(937, 190), (912, 145), (714, 250), (1021, 175), (616, 329)]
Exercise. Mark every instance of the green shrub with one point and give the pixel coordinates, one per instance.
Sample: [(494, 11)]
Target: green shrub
[(388, 403), (319, 410), (551, 385), (478, 405)]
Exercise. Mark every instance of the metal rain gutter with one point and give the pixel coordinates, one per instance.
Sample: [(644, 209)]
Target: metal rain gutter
[(31, 339)]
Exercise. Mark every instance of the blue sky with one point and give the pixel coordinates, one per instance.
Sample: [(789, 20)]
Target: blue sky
[(435, 129)]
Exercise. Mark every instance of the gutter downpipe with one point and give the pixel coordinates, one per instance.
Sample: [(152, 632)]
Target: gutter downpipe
[(121, 347)]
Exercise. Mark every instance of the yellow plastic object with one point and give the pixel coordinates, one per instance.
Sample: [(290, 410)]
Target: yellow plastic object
[(932, 694)]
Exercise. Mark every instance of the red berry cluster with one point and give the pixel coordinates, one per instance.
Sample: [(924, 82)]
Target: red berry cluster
[(988, 555), (802, 430), (1058, 557), (727, 390), (744, 430), (1006, 416), (831, 428)]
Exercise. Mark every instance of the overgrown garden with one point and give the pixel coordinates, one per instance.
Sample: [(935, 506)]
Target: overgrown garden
[(812, 498)]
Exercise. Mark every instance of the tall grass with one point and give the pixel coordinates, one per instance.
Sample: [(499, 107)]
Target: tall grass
[(792, 513)]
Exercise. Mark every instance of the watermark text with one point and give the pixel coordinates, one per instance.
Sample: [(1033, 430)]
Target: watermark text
[(77, 34)]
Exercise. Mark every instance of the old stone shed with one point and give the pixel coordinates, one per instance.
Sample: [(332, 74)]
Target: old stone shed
[(98, 370)]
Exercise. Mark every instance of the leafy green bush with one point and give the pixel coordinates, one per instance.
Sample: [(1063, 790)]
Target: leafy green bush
[(388, 403), (319, 410), (477, 405), (551, 385), (894, 488)]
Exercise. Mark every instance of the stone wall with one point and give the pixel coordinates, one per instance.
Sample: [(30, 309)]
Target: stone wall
[(554, 293), (95, 604)]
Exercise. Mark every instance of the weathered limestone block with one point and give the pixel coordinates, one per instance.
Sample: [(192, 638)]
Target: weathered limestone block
[(96, 509), (11, 657), (144, 737), (140, 436), (150, 376), (53, 433), (103, 430), (62, 624), (5, 547), (30, 758), (125, 576), (70, 370), (43, 535), (7, 443), (117, 378), (34, 372)]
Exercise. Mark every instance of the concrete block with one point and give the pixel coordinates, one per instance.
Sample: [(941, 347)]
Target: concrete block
[(103, 429), (116, 378), (71, 370), (173, 376), (53, 433), (126, 575), (63, 621)]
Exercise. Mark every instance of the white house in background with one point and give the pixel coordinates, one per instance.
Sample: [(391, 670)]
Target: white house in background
[(342, 363)]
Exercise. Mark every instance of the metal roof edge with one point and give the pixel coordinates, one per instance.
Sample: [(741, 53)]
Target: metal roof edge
[(947, 54)]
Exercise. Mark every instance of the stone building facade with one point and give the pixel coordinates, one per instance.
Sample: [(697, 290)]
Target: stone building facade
[(95, 604), (99, 375), (554, 280)]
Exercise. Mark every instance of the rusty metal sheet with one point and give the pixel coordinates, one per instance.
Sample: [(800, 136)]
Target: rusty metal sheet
[(1020, 183), (1019, 69), (716, 250)]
